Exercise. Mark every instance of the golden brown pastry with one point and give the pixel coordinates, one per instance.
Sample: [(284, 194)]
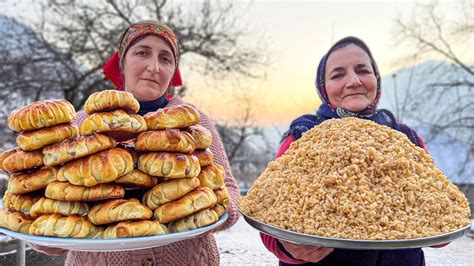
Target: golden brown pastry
[(71, 226), (27, 182), (135, 228), (223, 200), (22, 160), (117, 120), (169, 165), (137, 178), (5, 154), (41, 114), (82, 146), (19, 202), (102, 167), (68, 192), (117, 210), (201, 198), (196, 220), (50, 206), (37, 139), (179, 116), (172, 140), (168, 191), (108, 100), (202, 136), (15, 221), (205, 157), (212, 176)]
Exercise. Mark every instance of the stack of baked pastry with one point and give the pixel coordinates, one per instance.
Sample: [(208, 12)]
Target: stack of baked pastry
[(82, 182)]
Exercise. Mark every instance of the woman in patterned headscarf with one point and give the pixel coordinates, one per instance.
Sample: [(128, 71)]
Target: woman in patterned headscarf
[(146, 65), (348, 84)]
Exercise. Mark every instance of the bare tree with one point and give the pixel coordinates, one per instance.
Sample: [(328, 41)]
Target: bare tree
[(446, 102)]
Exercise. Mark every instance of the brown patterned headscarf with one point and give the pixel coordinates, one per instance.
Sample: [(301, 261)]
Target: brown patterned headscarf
[(112, 69)]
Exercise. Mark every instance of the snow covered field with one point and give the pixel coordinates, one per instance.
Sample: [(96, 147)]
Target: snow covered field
[(241, 245)]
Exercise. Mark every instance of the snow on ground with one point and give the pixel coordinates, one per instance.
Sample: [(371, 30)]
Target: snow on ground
[(241, 245)]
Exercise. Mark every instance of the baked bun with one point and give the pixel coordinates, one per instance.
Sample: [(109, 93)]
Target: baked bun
[(118, 210), (169, 165), (201, 135), (135, 229), (15, 221), (179, 116), (117, 120), (37, 139), (190, 203), (102, 167), (50, 206), (168, 191), (205, 157), (21, 183), (22, 160), (109, 100), (68, 192), (70, 150), (137, 178), (223, 201), (19, 202), (41, 114), (172, 140), (212, 176), (72, 226), (5, 154), (199, 219)]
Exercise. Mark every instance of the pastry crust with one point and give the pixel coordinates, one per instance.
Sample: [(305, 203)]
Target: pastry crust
[(68, 192), (201, 198), (22, 160), (19, 202), (179, 116), (71, 226), (117, 210), (169, 165), (135, 228), (171, 140), (65, 208), (37, 139), (41, 114), (205, 157), (15, 221), (199, 219), (212, 176), (117, 120), (5, 154), (102, 167), (223, 201), (109, 100), (82, 146), (201, 135), (168, 191), (137, 178), (21, 183)]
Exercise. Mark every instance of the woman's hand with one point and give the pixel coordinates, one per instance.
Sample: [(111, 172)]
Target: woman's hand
[(48, 250), (306, 252)]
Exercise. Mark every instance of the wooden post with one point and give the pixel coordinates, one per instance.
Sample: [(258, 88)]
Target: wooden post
[(20, 253)]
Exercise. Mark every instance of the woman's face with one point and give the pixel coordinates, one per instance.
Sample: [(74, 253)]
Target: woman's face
[(350, 80), (148, 68)]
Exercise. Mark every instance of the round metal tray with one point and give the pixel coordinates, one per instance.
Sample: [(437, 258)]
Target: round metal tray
[(345, 243)]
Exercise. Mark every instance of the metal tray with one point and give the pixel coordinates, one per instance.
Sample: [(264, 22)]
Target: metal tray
[(345, 243)]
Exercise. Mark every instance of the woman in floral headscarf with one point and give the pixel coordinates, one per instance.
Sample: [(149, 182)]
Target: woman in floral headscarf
[(146, 65), (348, 84)]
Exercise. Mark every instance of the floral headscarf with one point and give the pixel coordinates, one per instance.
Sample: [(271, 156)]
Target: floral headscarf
[(112, 69)]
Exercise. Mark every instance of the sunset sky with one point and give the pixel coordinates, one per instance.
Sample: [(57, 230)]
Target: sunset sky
[(298, 34)]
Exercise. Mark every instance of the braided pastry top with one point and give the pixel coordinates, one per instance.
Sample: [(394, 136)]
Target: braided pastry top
[(109, 100)]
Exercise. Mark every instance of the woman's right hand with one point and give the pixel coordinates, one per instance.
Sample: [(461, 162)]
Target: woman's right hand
[(306, 252), (48, 250)]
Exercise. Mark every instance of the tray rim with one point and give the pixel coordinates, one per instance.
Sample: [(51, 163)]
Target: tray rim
[(346, 243), (84, 244)]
